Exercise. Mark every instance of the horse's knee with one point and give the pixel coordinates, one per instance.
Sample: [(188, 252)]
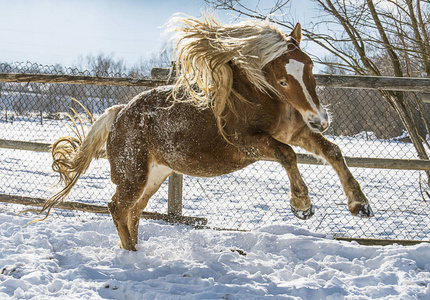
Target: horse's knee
[(286, 156), (333, 152)]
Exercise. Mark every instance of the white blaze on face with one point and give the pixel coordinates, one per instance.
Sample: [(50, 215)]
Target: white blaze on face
[(296, 69)]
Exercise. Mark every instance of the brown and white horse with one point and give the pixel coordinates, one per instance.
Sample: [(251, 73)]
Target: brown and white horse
[(245, 92)]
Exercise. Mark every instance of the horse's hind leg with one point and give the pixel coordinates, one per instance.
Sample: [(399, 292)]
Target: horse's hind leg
[(126, 195), (131, 197), (156, 176)]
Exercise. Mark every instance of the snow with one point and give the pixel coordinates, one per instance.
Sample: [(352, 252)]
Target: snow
[(81, 260)]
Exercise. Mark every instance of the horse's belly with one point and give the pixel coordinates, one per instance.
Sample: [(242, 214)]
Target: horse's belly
[(203, 161), (208, 169)]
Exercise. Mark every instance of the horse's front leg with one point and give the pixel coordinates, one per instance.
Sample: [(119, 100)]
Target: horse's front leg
[(300, 202), (319, 145), (271, 149)]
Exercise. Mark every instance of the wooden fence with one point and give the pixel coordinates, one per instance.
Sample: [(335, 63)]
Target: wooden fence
[(159, 76)]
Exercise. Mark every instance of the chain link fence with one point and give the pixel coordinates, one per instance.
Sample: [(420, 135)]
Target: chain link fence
[(363, 125)]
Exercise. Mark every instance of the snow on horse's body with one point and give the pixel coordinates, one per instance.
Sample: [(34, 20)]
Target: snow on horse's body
[(244, 93)]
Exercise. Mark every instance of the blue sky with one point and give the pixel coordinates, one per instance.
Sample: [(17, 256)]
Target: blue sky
[(59, 31)]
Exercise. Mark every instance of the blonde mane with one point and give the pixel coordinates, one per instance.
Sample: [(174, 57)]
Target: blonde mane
[(206, 47)]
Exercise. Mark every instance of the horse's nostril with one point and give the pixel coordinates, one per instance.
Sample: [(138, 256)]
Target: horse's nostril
[(315, 123), (324, 125)]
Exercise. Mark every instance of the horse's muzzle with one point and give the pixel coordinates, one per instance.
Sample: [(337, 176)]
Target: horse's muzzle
[(318, 123)]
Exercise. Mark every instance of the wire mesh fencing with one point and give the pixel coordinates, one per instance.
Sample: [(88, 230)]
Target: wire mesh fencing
[(363, 125)]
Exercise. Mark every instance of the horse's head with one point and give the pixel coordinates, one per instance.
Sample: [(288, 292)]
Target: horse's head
[(211, 57), (292, 77)]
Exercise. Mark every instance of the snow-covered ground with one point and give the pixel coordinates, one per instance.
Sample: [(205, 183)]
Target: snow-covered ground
[(69, 259), (77, 257)]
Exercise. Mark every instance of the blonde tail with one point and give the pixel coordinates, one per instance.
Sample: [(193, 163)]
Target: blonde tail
[(72, 156)]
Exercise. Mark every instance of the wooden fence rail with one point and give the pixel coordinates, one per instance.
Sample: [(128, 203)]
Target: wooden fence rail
[(406, 84), (355, 162), (172, 218), (160, 76), (78, 79)]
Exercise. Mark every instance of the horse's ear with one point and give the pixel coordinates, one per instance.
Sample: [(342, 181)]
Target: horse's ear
[(297, 33)]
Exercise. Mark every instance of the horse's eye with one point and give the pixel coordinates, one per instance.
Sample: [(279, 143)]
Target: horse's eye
[(283, 83)]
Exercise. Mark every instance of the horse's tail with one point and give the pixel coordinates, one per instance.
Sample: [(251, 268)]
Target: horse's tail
[(72, 155)]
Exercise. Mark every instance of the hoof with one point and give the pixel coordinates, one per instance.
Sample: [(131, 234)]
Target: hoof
[(362, 211), (303, 214)]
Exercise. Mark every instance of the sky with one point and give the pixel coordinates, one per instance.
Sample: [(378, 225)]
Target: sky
[(58, 31)]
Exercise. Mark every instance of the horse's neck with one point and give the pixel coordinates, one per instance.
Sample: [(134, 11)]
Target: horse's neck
[(257, 111)]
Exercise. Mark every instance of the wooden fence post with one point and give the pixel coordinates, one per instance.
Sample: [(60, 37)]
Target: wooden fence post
[(174, 206)]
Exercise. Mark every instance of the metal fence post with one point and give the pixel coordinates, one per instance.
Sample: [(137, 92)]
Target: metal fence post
[(174, 206)]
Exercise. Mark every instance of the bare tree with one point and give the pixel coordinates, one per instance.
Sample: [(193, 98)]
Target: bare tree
[(163, 59), (387, 33), (365, 37), (102, 64)]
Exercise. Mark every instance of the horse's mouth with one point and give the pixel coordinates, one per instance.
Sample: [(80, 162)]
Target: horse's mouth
[(318, 126)]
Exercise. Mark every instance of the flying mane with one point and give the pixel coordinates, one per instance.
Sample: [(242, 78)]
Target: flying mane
[(205, 49)]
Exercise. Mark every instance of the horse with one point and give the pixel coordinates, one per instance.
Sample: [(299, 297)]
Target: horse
[(244, 92)]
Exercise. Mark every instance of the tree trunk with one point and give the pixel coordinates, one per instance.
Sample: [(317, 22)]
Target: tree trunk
[(410, 127), (396, 99)]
